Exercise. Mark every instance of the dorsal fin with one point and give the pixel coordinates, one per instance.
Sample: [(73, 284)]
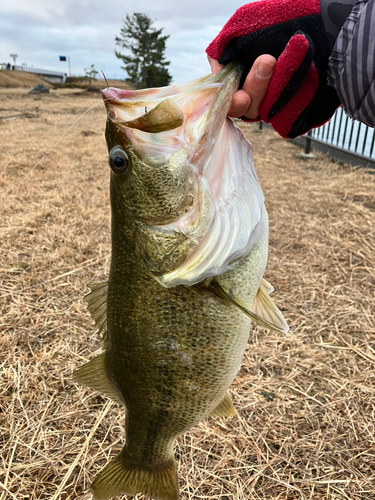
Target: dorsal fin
[(164, 116), (97, 305), (271, 318)]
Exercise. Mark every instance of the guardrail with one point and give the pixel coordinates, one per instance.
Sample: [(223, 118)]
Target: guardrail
[(344, 139)]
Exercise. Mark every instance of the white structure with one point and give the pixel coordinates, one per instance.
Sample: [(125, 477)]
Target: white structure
[(51, 76)]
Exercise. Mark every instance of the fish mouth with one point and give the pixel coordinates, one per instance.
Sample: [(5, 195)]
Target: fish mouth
[(166, 108), (228, 213)]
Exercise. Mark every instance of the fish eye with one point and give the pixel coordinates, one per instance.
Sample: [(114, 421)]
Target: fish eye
[(118, 160)]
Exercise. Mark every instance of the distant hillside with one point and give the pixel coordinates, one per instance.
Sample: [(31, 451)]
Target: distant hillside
[(14, 79), (81, 82)]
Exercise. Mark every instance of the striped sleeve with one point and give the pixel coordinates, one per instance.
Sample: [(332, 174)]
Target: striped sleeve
[(352, 64)]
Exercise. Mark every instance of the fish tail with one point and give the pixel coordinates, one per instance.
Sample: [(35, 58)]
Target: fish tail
[(120, 477)]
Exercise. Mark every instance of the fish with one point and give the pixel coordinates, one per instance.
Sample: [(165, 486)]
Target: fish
[(189, 237)]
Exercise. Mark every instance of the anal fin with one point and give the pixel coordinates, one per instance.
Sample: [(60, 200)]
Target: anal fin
[(94, 375), (225, 408), (120, 476)]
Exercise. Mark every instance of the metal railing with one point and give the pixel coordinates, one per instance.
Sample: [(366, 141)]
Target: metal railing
[(344, 139), (38, 71)]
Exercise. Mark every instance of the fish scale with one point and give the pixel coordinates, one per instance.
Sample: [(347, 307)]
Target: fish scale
[(173, 350)]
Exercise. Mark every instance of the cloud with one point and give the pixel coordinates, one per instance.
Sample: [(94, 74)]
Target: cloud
[(41, 30)]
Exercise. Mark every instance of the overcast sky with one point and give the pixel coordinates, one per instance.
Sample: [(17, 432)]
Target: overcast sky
[(39, 31)]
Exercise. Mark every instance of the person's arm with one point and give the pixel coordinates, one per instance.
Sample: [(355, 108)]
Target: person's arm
[(301, 37), (351, 69)]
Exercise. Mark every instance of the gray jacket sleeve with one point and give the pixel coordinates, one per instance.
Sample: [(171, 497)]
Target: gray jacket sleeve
[(351, 68)]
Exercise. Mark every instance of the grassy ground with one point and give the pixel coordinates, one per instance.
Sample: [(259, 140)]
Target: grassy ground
[(306, 401)]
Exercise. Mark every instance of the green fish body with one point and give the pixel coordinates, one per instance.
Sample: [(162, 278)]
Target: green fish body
[(189, 249)]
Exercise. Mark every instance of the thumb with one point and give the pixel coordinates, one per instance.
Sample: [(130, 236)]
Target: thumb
[(215, 65)]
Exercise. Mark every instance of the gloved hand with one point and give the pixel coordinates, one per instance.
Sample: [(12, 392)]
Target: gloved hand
[(298, 97)]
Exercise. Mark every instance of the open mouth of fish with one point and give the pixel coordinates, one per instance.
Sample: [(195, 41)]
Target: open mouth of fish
[(227, 212)]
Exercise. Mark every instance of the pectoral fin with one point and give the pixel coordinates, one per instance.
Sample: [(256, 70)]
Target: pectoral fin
[(269, 315), (266, 285), (265, 308)]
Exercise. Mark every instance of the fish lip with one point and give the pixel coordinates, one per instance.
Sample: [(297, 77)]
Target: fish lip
[(114, 95)]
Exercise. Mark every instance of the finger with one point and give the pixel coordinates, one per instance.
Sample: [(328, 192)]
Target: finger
[(240, 104), (257, 83), (215, 65)]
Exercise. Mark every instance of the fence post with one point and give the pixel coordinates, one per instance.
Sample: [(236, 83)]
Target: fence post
[(308, 143)]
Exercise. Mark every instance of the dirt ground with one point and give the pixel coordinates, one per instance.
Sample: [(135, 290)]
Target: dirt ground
[(306, 401)]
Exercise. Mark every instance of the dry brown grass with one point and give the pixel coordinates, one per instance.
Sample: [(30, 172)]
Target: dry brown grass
[(306, 401), (10, 79), (100, 84), (15, 79)]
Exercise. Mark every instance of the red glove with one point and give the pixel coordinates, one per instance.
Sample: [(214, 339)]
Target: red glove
[(298, 97)]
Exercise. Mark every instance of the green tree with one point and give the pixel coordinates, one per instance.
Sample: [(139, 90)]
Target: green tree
[(90, 73), (146, 65)]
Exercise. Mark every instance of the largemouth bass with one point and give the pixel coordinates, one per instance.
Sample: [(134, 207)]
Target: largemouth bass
[(189, 249)]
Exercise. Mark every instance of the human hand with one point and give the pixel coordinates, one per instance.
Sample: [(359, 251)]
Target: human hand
[(246, 101)]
